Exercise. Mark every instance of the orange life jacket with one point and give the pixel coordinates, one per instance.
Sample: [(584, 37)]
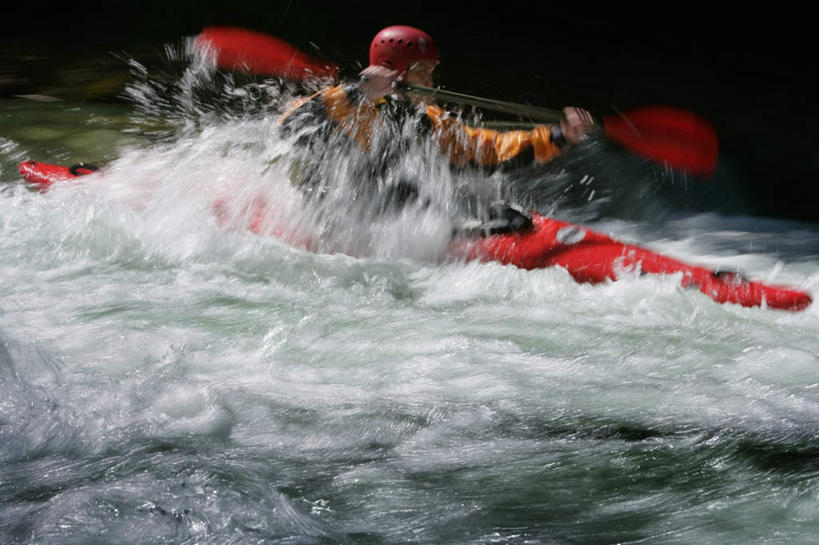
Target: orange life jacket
[(359, 118)]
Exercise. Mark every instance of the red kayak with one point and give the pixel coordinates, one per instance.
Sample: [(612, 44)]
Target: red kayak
[(42, 175), (593, 257), (587, 255)]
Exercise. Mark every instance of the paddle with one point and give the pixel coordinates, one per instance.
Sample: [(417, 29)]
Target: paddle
[(670, 136), (258, 53)]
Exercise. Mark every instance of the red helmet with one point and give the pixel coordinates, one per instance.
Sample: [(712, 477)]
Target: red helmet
[(399, 46)]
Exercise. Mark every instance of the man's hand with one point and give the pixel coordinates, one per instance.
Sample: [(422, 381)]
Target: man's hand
[(377, 81), (576, 123)]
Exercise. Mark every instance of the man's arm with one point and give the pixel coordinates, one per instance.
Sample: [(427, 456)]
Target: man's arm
[(487, 147)]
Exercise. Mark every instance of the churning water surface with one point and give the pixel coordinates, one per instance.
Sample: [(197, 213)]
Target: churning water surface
[(165, 379)]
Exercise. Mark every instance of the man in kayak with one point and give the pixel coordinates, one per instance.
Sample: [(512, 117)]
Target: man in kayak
[(371, 113)]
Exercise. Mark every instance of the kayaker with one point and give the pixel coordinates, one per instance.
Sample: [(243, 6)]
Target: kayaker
[(363, 111)]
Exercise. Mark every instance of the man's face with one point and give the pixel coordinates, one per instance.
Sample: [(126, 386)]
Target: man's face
[(420, 73)]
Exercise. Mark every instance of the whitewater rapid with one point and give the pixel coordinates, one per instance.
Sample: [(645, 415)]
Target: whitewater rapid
[(164, 379)]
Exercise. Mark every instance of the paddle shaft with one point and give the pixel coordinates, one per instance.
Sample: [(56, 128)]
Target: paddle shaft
[(501, 106)]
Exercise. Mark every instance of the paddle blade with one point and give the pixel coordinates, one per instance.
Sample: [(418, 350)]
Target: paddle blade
[(679, 138), (249, 51)]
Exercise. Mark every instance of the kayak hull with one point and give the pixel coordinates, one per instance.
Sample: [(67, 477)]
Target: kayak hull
[(593, 257), (589, 256)]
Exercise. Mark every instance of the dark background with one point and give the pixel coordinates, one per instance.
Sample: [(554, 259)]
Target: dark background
[(749, 71)]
